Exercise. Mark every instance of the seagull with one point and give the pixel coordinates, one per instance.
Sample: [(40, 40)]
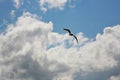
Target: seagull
[(70, 34)]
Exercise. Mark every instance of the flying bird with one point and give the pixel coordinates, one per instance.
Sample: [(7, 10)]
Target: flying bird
[(70, 34)]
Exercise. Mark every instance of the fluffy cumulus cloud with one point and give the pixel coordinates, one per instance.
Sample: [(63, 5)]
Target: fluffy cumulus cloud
[(29, 50)]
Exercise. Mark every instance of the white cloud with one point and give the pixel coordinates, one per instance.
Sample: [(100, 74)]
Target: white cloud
[(49, 4), (30, 50)]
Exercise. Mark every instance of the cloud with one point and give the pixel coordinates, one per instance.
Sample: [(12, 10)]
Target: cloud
[(29, 50), (115, 77), (12, 13), (18, 3), (71, 3), (49, 4), (46, 4)]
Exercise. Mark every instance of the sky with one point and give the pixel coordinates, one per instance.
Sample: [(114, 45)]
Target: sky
[(34, 46)]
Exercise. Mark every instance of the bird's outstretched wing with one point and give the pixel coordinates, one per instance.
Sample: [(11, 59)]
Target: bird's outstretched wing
[(75, 38), (68, 30), (71, 34)]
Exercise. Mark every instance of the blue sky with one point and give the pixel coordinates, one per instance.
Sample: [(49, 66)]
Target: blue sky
[(87, 16)]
